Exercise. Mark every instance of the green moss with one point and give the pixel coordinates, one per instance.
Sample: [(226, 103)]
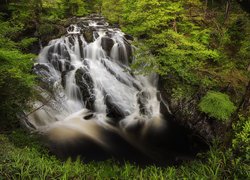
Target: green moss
[(217, 105)]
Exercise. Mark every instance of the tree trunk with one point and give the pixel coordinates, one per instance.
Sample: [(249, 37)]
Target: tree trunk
[(246, 99), (228, 6), (175, 25)]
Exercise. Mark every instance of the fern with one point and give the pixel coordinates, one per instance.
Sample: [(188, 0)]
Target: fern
[(217, 105)]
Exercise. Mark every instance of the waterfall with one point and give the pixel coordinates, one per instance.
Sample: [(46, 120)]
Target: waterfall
[(89, 91)]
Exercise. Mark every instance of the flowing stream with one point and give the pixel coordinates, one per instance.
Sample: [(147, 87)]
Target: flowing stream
[(90, 100)]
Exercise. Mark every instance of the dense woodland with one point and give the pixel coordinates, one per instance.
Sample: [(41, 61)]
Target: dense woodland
[(200, 49)]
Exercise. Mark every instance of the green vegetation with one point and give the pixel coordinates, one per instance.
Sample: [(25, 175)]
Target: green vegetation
[(200, 49), (16, 84), (22, 157), (217, 105), (16, 79)]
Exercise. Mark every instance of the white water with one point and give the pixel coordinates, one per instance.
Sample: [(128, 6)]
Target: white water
[(112, 91)]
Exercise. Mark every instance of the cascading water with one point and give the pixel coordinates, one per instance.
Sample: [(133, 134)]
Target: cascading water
[(89, 95)]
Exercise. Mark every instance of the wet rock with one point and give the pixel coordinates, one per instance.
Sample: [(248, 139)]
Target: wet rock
[(88, 116), (126, 53), (37, 68), (101, 24), (142, 100), (107, 44), (113, 110), (96, 35), (86, 85), (64, 77), (46, 80), (82, 24), (68, 68), (88, 34)]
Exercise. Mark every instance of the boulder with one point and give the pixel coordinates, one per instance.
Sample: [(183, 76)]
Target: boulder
[(44, 77), (86, 85), (126, 55), (88, 34), (107, 44), (113, 110)]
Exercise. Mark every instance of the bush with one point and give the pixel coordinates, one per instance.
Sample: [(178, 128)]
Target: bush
[(241, 140), (16, 84), (217, 105)]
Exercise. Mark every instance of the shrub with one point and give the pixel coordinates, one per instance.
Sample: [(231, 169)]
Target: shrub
[(241, 140), (16, 84), (217, 105)]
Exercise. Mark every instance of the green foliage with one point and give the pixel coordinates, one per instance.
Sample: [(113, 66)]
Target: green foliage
[(16, 84), (73, 7), (181, 46), (26, 43), (241, 140), (21, 157), (112, 9), (217, 105)]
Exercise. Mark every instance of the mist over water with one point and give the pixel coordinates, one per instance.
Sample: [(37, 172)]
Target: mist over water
[(91, 104)]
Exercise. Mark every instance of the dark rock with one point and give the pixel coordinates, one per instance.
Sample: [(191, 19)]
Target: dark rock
[(44, 77), (96, 35), (109, 34), (86, 85), (129, 37), (126, 53), (101, 23), (114, 111), (88, 35), (143, 36), (68, 68), (88, 116), (186, 112), (142, 100), (83, 24), (64, 77), (107, 44), (71, 28), (40, 67), (58, 54), (116, 25)]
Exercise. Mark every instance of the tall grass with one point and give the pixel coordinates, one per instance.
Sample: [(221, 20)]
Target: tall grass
[(20, 161)]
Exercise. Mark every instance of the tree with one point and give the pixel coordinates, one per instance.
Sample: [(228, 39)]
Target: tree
[(112, 9)]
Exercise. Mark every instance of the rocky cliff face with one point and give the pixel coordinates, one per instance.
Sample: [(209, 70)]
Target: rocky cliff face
[(185, 112)]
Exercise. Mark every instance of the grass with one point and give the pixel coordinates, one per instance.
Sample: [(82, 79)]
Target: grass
[(23, 157)]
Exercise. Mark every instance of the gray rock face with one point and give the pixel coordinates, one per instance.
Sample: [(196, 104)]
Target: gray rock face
[(187, 114), (85, 83), (113, 110), (107, 44)]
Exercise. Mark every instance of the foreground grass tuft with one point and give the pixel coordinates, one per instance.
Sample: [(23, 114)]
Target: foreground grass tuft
[(22, 157)]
